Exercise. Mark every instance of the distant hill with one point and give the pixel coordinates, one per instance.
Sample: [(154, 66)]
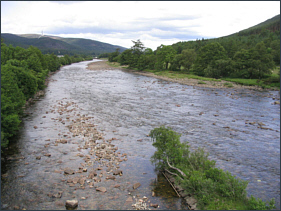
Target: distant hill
[(60, 45), (272, 24)]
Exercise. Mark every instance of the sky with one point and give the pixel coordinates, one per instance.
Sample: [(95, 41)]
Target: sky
[(120, 22)]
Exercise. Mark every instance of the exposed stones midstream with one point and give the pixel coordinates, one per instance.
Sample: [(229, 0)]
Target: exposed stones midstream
[(102, 160)]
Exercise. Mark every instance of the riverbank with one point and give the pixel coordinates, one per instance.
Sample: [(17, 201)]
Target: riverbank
[(104, 65)]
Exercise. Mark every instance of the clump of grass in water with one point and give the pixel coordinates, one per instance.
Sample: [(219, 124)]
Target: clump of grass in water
[(214, 188)]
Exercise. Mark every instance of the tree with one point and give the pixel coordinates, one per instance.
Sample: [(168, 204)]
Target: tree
[(207, 57), (261, 61), (168, 145), (253, 63), (137, 51), (12, 101), (188, 58), (176, 62), (25, 80), (113, 57), (125, 57), (165, 55)]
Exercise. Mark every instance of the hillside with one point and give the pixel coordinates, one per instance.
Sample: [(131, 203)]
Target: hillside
[(60, 45), (272, 24)]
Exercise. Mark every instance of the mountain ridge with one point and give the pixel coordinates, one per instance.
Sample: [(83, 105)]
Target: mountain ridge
[(59, 45)]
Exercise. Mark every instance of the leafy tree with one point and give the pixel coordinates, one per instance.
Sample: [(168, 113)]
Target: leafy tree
[(220, 68), (261, 61), (253, 63), (26, 81), (12, 101), (125, 57), (168, 145), (207, 57), (165, 55), (176, 62), (275, 46), (148, 51), (188, 58), (52, 62), (113, 57), (241, 59)]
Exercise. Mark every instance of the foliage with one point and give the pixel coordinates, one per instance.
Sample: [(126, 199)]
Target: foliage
[(258, 204), (207, 57), (164, 55), (168, 145), (250, 55), (210, 185), (23, 73)]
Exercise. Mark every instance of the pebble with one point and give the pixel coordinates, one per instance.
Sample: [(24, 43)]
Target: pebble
[(71, 204)]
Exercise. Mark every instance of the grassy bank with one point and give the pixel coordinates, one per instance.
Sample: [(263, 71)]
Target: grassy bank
[(269, 82)]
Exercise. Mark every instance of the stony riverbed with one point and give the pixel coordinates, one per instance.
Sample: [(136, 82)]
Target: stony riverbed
[(87, 139)]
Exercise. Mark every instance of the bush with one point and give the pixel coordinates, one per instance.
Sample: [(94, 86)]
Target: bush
[(199, 177), (258, 204), (168, 145)]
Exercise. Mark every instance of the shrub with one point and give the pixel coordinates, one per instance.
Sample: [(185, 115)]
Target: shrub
[(199, 176)]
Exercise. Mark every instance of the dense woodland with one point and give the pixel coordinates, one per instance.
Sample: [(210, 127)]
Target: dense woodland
[(23, 73), (249, 54)]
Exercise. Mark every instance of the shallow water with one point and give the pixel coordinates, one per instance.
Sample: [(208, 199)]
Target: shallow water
[(127, 107)]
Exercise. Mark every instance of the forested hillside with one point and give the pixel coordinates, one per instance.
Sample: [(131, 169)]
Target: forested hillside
[(23, 73), (59, 45), (249, 54)]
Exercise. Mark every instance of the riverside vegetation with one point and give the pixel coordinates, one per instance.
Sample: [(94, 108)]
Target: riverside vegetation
[(250, 57), (23, 74), (213, 188)]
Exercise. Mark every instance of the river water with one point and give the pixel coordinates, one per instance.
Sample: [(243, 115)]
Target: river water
[(125, 107)]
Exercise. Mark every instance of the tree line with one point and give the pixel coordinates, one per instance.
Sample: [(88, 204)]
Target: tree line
[(23, 73), (237, 56)]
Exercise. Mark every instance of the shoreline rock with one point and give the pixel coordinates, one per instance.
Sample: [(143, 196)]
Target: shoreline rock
[(190, 201)]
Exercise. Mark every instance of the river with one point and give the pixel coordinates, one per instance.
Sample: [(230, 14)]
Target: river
[(124, 107)]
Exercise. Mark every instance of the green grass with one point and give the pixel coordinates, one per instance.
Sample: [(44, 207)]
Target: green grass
[(223, 203), (270, 81), (180, 74), (227, 84), (201, 82)]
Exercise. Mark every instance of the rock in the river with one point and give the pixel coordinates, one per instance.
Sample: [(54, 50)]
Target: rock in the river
[(191, 201), (116, 186), (101, 189), (71, 204), (63, 141), (110, 177), (117, 172), (154, 205), (136, 185), (57, 195), (69, 171), (38, 157), (92, 175), (129, 199)]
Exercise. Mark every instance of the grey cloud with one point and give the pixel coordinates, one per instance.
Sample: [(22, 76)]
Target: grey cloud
[(156, 27)]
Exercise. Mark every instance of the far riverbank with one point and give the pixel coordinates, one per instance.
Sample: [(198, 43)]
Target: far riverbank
[(104, 65)]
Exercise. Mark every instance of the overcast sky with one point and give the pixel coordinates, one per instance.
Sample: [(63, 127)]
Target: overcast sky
[(120, 22)]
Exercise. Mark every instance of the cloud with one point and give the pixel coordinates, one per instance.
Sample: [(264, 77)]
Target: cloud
[(119, 22)]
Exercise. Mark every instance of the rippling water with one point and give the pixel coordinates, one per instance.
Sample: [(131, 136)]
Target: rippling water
[(127, 106)]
